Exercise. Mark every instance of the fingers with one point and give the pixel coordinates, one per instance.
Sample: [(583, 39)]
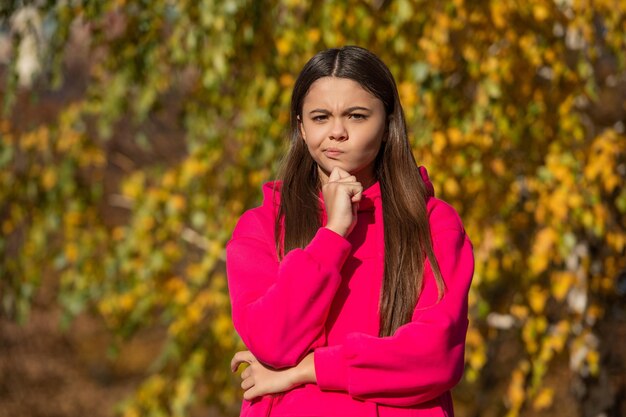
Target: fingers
[(355, 191), (335, 174), (247, 383), (251, 394), (345, 176), (338, 174), (354, 187), (241, 357)]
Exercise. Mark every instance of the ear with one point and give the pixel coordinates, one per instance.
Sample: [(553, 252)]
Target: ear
[(301, 127)]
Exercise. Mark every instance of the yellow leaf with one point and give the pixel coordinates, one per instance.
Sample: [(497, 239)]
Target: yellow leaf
[(182, 296), (519, 311), (575, 200), (451, 187), (286, 80), (477, 358), (314, 35), (147, 222), (499, 14), (561, 283), (171, 249), (544, 242), (455, 135), (544, 399), (49, 178), (540, 12), (594, 311), (516, 392), (593, 360), (439, 142), (407, 91), (178, 202), (498, 167), (118, 233), (71, 252), (283, 46), (168, 180), (127, 301)]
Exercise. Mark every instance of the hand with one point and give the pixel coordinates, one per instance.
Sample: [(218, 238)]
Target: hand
[(257, 379), (260, 380), (342, 194)]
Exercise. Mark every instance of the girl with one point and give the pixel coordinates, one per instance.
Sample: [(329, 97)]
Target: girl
[(349, 284)]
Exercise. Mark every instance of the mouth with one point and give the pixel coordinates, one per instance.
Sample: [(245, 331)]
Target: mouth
[(332, 152)]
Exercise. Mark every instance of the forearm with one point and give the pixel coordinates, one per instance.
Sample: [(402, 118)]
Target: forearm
[(260, 380), (305, 371)]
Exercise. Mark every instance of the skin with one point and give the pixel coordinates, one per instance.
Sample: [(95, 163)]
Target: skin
[(343, 126)]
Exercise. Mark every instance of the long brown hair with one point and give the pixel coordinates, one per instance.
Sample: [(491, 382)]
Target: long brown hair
[(407, 232)]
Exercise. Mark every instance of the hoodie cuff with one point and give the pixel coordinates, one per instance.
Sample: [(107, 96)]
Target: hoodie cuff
[(331, 368), (329, 248)]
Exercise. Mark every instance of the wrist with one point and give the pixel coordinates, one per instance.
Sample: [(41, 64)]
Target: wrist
[(296, 376), (339, 230), (304, 372), (308, 369)]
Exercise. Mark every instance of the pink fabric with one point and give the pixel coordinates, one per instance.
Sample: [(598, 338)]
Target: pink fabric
[(324, 298)]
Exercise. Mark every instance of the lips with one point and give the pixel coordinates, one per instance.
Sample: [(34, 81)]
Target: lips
[(332, 152)]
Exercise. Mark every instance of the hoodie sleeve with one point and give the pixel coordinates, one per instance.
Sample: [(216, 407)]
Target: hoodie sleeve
[(279, 309), (425, 357)]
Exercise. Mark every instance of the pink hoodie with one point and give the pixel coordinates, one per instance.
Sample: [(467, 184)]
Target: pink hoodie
[(324, 298)]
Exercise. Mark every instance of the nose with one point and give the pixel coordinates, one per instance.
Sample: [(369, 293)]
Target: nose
[(338, 130)]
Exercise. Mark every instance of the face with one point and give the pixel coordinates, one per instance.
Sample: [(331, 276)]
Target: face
[(343, 125)]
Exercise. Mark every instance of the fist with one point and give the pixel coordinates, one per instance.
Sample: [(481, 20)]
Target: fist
[(342, 194)]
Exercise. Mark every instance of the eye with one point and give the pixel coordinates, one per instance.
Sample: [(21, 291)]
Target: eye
[(358, 116), (319, 118)]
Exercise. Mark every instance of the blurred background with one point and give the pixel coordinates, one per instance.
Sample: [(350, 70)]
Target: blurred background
[(133, 134)]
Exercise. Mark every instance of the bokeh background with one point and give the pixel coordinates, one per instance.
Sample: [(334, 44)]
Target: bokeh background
[(133, 135)]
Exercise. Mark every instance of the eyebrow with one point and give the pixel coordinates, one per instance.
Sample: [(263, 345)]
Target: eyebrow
[(346, 111)]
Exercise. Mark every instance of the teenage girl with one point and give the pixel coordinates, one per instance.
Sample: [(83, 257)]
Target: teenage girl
[(349, 284)]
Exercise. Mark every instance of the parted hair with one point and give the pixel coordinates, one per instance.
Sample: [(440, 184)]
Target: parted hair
[(407, 236)]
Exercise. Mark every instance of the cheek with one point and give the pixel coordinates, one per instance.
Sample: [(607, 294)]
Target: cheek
[(311, 135), (311, 141), (373, 148), (371, 143)]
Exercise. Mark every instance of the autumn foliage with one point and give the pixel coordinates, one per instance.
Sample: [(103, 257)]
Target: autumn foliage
[(514, 108)]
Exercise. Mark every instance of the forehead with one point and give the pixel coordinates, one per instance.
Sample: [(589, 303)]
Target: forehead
[(335, 91)]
